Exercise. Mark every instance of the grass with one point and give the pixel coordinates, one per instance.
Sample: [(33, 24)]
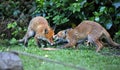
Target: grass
[(84, 57)]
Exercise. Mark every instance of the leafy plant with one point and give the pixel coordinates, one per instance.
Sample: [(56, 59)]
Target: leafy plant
[(60, 19), (14, 28), (64, 13), (12, 25), (13, 41), (14, 17), (117, 35)]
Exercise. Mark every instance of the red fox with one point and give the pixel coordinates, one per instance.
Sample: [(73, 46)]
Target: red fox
[(93, 31), (60, 37), (39, 28)]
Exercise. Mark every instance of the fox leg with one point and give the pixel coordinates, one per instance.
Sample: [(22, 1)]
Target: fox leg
[(70, 44), (99, 45), (88, 43), (37, 40), (42, 43), (90, 40), (80, 42), (96, 41), (29, 34)]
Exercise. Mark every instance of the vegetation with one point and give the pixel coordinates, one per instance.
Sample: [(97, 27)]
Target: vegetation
[(16, 14), (58, 12), (84, 57)]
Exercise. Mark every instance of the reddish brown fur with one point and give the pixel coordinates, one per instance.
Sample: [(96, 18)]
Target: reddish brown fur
[(39, 26), (86, 29)]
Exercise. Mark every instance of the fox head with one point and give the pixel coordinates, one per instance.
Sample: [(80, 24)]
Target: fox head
[(49, 33), (60, 35)]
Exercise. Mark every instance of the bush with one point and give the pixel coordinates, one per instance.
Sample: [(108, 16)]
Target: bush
[(15, 16), (65, 13), (69, 13)]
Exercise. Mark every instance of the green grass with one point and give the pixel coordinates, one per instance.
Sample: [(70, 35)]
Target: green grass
[(84, 57)]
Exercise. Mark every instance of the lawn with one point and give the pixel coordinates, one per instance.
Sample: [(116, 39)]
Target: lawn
[(84, 57)]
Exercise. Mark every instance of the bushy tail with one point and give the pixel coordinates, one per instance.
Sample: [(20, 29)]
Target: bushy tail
[(29, 34), (109, 39), (21, 40), (24, 40)]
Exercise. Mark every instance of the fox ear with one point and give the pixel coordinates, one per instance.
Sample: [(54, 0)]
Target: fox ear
[(54, 27), (46, 31), (65, 32)]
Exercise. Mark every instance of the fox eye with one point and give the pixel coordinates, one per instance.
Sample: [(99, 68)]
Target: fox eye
[(46, 31), (52, 38)]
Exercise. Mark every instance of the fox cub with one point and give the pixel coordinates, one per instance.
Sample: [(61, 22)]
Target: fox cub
[(39, 28), (93, 31)]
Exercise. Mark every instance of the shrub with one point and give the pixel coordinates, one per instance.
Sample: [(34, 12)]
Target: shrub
[(65, 13), (69, 13)]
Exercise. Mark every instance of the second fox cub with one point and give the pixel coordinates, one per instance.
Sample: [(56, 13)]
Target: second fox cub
[(39, 28), (93, 31)]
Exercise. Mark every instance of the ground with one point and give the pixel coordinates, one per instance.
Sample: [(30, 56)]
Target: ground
[(85, 57)]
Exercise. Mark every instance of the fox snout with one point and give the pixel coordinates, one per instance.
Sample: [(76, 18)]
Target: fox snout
[(51, 43), (55, 37)]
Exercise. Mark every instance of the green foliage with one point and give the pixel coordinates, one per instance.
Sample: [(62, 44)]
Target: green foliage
[(13, 41), (58, 12), (12, 25), (103, 16), (14, 28), (14, 17), (117, 35), (63, 11), (76, 6), (59, 19), (40, 2)]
